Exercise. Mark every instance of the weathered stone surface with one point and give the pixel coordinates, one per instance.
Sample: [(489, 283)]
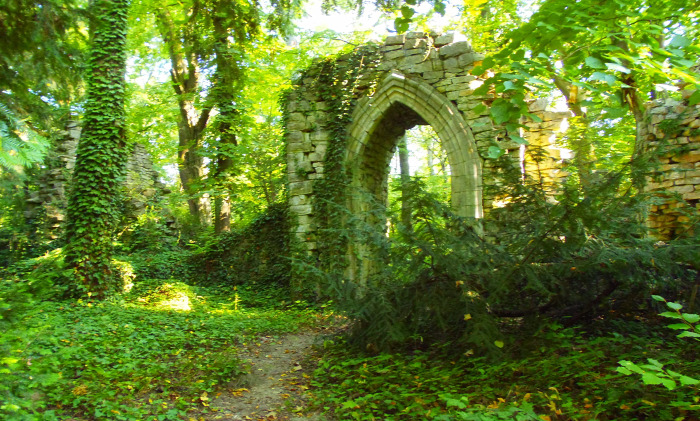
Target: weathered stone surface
[(395, 40), (455, 49), (444, 39)]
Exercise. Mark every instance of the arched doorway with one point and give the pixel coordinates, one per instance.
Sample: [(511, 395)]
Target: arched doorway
[(379, 121)]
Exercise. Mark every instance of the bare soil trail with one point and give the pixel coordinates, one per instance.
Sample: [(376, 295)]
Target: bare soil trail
[(274, 389)]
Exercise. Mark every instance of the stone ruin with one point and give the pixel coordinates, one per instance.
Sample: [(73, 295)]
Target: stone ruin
[(673, 130), (45, 206), (423, 78)]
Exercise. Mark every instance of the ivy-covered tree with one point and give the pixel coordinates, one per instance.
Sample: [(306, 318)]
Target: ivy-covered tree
[(92, 203)]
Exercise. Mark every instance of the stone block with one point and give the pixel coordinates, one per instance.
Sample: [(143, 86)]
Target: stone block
[(320, 136), (444, 39), (302, 187), (415, 43), (414, 35), (690, 157), (395, 40), (387, 48), (306, 146), (681, 189), (436, 74), (425, 66), (393, 55), (455, 49), (451, 64), (299, 200)]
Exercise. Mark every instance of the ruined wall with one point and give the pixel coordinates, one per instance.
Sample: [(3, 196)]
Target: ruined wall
[(46, 204), (673, 130), (411, 79)]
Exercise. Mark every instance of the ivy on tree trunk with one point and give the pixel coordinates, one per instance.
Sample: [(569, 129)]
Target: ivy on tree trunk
[(92, 203)]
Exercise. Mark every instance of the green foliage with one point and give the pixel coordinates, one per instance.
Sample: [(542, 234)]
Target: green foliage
[(19, 144), (156, 354), (256, 254), (570, 260), (654, 373), (552, 373), (92, 211)]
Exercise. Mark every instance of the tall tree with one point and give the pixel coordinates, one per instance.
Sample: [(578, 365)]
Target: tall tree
[(92, 204), (40, 54), (606, 58)]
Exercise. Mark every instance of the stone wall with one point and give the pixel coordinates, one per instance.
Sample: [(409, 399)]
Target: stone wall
[(45, 206), (413, 79), (673, 131)]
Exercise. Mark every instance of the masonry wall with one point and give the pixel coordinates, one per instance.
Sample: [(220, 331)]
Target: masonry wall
[(673, 130), (46, 205), (432, 59)]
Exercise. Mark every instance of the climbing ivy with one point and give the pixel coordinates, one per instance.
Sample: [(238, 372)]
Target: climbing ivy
[(92, 210), (338, 81)]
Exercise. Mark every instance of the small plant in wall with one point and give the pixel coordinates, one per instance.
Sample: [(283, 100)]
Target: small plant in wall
[(654, 373)]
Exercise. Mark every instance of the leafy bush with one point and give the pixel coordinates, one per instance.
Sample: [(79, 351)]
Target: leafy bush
[(257, 253), (569, 260)]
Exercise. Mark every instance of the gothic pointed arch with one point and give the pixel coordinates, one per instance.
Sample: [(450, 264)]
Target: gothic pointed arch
[(400, 103)]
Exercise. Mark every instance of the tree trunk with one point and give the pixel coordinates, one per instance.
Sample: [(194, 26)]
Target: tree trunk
[(405, 180), (92, 204), (185, 81), (228, 81)]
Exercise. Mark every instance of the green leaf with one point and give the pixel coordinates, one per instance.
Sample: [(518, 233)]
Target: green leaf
[(518, 139), (694, 98), (685, 380), (349, 404), (500, 111), (623, 370), (679, 41), (658, 298), (407, 12), (669, 384), (401, 25), (494, 152), (651, 378), (479, 109), (670, 315), (499, 344), (594, 62), (689, 334), (678, 326), (617, 67), (674, 306), (631, 366), (439, 8), (604, 77), (455, 403)]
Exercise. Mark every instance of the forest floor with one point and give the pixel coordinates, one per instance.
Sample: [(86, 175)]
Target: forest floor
[(274, 389)]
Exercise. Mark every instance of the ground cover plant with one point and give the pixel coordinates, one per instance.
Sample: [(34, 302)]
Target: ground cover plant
[(154, 353), (557, 374)]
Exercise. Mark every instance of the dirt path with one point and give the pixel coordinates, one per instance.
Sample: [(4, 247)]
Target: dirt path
[(274, 388)]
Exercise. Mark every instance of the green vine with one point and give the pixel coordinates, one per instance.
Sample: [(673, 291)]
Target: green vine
[(338, 83), (92, 204)]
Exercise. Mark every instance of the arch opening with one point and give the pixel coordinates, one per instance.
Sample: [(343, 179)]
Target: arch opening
[(399, 105)]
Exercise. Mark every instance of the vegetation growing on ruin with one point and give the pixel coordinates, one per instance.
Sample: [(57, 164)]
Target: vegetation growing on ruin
[(139, 300)]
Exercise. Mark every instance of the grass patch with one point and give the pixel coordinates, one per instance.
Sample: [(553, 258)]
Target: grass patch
[(150, 355)]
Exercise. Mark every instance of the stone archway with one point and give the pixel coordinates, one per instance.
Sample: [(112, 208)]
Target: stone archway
[(411, 79), (399, 104)]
